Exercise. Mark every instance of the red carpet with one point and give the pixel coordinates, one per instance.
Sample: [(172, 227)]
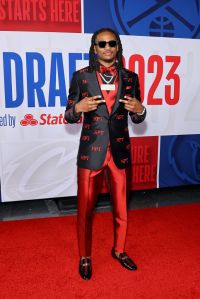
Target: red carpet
[(39, 258)]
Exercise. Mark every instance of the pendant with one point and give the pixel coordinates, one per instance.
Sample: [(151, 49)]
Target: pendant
[(107, 86)]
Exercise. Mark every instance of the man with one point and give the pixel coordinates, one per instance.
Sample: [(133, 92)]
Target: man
[(106, 93)]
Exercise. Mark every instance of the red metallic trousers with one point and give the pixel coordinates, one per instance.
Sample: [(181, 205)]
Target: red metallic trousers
[(89, 185)]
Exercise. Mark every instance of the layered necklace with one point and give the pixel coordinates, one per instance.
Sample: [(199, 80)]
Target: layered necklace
[(108, 79)]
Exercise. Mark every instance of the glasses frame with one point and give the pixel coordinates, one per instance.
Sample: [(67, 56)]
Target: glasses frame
[(102, 43)]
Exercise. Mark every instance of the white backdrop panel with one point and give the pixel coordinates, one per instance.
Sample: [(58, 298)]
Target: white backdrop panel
[(40, 161)]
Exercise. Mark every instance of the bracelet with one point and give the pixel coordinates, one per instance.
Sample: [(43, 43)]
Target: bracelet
[(141, 113)]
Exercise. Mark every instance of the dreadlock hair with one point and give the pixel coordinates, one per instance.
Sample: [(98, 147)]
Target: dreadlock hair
[(92, 55)]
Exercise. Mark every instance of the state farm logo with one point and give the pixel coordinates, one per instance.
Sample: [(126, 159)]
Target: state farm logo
[(28, 120), (45, 119)]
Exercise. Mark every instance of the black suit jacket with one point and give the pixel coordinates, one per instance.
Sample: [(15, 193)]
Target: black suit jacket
[(99, 127)]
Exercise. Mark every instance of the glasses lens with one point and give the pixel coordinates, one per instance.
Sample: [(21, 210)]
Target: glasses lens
[(112, 43), (102, 44)]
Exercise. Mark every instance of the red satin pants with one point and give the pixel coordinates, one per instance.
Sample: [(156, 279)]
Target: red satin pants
[(89, 185)]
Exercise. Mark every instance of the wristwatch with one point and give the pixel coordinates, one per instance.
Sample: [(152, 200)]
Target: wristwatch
[(141, 113)]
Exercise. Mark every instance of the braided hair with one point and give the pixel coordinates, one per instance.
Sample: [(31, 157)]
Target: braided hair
[(92, 55)]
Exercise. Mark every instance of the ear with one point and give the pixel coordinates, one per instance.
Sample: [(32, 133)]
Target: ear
[(95, 51)]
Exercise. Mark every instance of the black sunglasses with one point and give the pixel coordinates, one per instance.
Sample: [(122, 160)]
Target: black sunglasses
[(103, 43)]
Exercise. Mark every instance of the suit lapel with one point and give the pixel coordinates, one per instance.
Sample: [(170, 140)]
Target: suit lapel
[(116, 104), (94, 89)]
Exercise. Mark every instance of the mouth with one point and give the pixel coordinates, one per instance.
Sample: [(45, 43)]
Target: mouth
[(107, 53)]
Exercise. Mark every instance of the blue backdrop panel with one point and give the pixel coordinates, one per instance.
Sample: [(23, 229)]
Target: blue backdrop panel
[(167, 18), (179, 160), (97, 16)]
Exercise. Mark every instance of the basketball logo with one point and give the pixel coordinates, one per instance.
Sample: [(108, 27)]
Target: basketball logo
[(161, 26), (166, 18)]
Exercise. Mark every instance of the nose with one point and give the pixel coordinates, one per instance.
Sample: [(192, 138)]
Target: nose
[(107, 46)]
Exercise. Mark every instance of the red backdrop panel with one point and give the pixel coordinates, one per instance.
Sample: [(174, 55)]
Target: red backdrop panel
[(144, 151), (41, 15), (144, 154)]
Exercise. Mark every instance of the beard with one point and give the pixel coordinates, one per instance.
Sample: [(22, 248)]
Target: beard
[(108, 60)]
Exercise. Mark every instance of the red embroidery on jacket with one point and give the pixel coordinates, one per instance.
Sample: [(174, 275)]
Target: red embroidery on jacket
[(124, 161), (120, 139), (120, 116), (84, 157), (70, 101), (97, 118), (96, 148), (98, 132), (85, 138), (86, 126), (84, 94)]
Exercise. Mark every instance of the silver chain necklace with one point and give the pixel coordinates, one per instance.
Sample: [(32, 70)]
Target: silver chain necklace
[(107, 81)]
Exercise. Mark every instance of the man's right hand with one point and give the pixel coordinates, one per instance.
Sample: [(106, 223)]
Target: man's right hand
[(88, 104)]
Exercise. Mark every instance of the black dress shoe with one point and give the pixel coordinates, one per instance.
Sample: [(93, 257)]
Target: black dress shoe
[(124, 260), (85, 268)]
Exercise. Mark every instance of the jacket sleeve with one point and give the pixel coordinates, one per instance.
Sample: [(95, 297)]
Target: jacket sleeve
[(73, 98), (136, 118)]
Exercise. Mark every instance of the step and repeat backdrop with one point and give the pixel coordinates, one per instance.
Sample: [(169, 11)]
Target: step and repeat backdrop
[(43, 42)]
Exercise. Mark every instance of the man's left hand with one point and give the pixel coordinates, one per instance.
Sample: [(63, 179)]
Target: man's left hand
[(132, 104)]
